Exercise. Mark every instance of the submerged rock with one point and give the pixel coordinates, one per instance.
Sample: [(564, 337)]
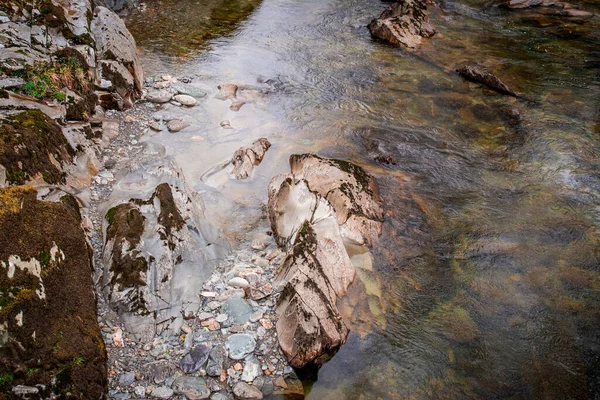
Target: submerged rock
[(49, 333), (479, 75), (553, 7), (404, 22), (177, 125)]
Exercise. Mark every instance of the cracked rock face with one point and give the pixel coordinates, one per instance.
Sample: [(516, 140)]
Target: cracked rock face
[(404, 22), (159, 251), (314, 211)]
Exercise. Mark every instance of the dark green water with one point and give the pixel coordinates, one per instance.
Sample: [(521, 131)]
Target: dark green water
[(486, 283)]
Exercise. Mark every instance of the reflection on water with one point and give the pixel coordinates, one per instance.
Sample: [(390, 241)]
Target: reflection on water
[(487, 280)]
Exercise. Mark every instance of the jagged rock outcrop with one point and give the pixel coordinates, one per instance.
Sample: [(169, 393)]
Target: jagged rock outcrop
[(70, 38), (477, 74), (117, 57), (314, 211), (159, 251), (240, 166), (404, 22), (552, 7), (49, 335), (246, 158)]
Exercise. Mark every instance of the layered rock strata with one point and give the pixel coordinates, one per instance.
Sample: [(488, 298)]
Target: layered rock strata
[(314, 211)]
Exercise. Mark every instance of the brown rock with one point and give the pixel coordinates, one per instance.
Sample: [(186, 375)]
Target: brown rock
[(258, 290), (479, 75), (404, 22), (246, 158)]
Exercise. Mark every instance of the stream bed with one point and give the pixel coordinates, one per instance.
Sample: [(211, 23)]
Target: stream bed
[(486, 280)]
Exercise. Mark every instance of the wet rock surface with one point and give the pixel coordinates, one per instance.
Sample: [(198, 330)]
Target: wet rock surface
[(313, 211), (404, 22), (477, 74)]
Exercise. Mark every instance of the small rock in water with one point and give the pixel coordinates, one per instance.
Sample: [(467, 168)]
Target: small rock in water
[(192, 361), (193, 388), (244, 391), (238, 282), (176, 125), (162, 392), (240, 345), (155, 126), (226, 125), (158, 96), (186, 100), (236, 105)]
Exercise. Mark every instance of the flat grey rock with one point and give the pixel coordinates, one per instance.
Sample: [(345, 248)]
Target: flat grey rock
[(192, 387), (240, 345), (237, 309)]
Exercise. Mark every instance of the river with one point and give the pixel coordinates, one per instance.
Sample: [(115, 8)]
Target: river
[(486, 282)]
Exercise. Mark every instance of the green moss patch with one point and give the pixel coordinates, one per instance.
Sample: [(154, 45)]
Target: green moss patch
[(29, 143), (58, 343)]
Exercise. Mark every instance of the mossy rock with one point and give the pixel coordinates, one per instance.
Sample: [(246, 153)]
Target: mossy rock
[(50, 332), (32, 143)]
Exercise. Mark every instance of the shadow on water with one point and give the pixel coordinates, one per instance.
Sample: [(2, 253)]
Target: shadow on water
[(486, 283), (177, 30)]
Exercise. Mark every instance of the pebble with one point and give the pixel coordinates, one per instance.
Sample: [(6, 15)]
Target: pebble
[(251, 370), (177, 125), (238, 282), (126, 379), (238, 310), (256, 315), (185, 100), (219, 396), (155, 126), (158, 96), (162, 392), (193, 388), (240, 345), (140, 391), (221, 318), (185, 328), (204, 316), (117, 338), (226, 125), (246, 392)]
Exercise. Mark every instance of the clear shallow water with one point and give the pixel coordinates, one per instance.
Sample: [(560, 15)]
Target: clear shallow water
[(486, 283)]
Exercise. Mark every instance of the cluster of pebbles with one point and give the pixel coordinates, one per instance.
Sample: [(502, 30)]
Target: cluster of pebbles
[(229, 349)]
